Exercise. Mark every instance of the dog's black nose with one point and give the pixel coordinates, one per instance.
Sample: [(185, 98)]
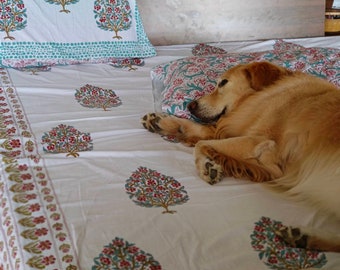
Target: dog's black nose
[(192, 106)]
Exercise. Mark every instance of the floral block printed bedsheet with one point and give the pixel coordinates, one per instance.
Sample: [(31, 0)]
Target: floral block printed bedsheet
[(84, 186)]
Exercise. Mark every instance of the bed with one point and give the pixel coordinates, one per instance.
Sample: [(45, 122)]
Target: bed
[(84, 186)]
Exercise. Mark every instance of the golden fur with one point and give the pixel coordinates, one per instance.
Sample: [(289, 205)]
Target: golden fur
[(266, 123)]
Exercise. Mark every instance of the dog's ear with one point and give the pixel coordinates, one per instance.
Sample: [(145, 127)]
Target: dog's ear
[(262, 74)]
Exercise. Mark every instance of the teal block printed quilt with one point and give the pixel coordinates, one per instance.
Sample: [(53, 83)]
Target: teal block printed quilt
[(51, 32)]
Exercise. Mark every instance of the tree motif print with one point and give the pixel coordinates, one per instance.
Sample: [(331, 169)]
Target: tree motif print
[(120, 254), (276, 254), (127, 63), (207, 50), (153, 189), (34, 70), (63, 4), (113, 15), (12, 17), (95, 97), (66, 139)]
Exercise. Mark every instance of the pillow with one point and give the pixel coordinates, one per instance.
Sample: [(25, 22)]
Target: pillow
[(177, 83), (321, 62), (49, 32)]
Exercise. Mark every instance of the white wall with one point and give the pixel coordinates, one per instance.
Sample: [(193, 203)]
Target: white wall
[(194, 21)]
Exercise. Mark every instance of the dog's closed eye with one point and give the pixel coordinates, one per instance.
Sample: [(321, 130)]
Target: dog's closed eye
[(223, 83)]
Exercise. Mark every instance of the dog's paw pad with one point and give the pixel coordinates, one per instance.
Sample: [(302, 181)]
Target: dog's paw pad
[(150, 122), (293, 236), (212, 172)]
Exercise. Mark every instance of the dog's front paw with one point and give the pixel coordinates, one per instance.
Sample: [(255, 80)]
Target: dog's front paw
[(209, 170), (293, 236), (151, 121)]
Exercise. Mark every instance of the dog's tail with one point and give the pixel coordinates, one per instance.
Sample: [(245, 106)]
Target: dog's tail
[(316, 180)]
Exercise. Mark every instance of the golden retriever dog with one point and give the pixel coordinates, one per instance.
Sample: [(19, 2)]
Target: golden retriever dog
[(266, 123)]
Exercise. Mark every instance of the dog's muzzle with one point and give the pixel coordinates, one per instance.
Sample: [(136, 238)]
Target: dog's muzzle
[(194, 109)]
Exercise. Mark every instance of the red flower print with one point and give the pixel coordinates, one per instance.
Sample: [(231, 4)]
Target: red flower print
[(151, 182), (45, 245), (26, 176), (124, 264), (23, 167), (131, 189), (272, 260), (27, 187), (259, 228), (15, 143), (39, 220), (58, 226), (65, 248), (40, 175), (49, 260), (50, 147), (133, 249), (46, 191), (31, 196), (175, 184), (10, 130), (141, 258), (55, 216), (108, 251), (86, 138), (141, 198), (41, 232), (34, 207), (118, 242), (105, 260), (52, 207), (43, 183)]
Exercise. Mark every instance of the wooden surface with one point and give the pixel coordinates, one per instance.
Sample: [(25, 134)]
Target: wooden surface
[(194, 21)]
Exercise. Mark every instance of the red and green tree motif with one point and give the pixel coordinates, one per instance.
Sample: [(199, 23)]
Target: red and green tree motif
[(113, 15), (95, 97), (66, 139), (150, 188), (63, 4), (276, 254), (127, 63), (12, 17), (120, 254)]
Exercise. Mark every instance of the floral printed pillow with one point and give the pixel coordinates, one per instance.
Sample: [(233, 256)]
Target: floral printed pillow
[(177, 83), (322, 62), (51, 32)]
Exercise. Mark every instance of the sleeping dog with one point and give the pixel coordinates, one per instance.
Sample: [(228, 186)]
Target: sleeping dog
[(268, 124)]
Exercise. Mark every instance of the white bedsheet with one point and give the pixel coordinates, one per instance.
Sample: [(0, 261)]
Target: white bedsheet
[(87, 194)]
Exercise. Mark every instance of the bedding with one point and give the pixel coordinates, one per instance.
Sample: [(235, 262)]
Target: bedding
[(177, 83), (57, 32), (84, 186)]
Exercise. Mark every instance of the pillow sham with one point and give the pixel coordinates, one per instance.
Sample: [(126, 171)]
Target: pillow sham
[(177, 83), (52, 32)]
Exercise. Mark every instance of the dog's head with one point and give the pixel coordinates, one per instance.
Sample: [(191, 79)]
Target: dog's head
[(233, 87)]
